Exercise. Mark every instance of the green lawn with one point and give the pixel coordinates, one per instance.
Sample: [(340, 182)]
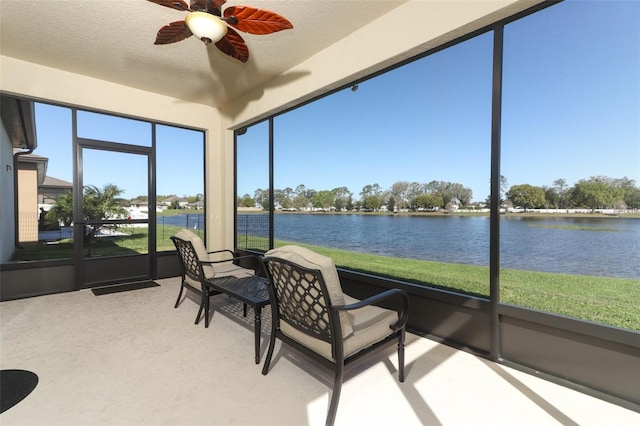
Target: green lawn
[(612, 301), (136, 241)]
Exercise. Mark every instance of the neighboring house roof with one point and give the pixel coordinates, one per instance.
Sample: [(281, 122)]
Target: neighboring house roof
[(51, 182), (172, 199), (51, 188)]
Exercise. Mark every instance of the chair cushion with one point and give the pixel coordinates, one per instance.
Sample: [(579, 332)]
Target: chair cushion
[(198, 246), (218, 270), (230, 269), (370, 325), (225, 269), (312, 260)]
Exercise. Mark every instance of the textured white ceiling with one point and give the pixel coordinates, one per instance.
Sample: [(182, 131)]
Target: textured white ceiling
[(113, 40)]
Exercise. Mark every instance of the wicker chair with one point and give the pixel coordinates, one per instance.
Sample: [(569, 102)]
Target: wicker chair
[(199, 265), (312, 314)]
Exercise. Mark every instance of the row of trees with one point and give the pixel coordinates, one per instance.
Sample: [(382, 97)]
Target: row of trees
[(101, 203), (401, 195), (597, 192)]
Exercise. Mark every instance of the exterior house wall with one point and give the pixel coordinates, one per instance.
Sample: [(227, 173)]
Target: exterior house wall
[(28, 203), (7, 214), (48, 194)]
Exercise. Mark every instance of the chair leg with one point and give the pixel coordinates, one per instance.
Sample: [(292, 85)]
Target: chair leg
[(335, 395), (206, 300), (179, 295), (267, 360), (401, 356), (200, 312)]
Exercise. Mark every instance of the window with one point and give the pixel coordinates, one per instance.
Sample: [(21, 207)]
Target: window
[(252, 187), (397, 167), (103, 127), (570, 154), (180, 190), (113, 169), (116, 157), (45, 176)]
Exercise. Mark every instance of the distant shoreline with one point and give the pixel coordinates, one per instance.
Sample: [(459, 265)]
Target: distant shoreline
[(621, 215)]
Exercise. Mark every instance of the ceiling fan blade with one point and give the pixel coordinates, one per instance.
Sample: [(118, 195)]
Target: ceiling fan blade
[(175, 31), (173, 4), (204, 5), (256, 21), (233, 45)]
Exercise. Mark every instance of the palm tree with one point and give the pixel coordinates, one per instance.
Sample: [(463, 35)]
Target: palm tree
[(62, 210), (101, 204), (98, 204)]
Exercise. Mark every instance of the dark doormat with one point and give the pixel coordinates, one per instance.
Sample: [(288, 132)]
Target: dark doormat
[(15, 385), (123, 287)]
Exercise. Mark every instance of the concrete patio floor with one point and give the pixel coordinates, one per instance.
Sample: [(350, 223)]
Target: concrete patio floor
[(132, 359)]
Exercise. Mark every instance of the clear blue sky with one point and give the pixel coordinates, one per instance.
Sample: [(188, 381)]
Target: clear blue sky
[(179, 155), (571, 109)]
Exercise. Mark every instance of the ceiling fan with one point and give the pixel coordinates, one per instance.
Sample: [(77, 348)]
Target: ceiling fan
[(206, 21)]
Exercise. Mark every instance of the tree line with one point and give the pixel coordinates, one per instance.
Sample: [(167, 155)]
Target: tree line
[(597, 192)]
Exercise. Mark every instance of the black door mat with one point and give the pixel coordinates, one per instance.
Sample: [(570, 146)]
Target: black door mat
[(123, 287), (15, 385)]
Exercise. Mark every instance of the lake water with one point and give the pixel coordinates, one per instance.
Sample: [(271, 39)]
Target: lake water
[(584, 246), (191, 221), (575, 245)]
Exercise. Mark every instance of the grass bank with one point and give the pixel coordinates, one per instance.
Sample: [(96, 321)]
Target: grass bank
[(612, 301), (134, 242)]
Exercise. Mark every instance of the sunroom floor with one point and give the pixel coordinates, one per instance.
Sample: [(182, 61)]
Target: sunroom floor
[(131, 359)]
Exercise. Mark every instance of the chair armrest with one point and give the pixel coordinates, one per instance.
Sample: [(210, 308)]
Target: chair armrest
[(403, 314), (222, 251), (208, 262)]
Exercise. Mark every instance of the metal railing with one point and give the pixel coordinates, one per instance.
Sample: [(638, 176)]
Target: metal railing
[(167, 224), (252, 232)]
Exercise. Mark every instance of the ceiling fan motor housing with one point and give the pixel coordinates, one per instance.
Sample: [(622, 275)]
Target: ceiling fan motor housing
[(205, 6)]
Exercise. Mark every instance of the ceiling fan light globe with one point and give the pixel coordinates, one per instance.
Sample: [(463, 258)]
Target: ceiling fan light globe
[(206, 27)]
